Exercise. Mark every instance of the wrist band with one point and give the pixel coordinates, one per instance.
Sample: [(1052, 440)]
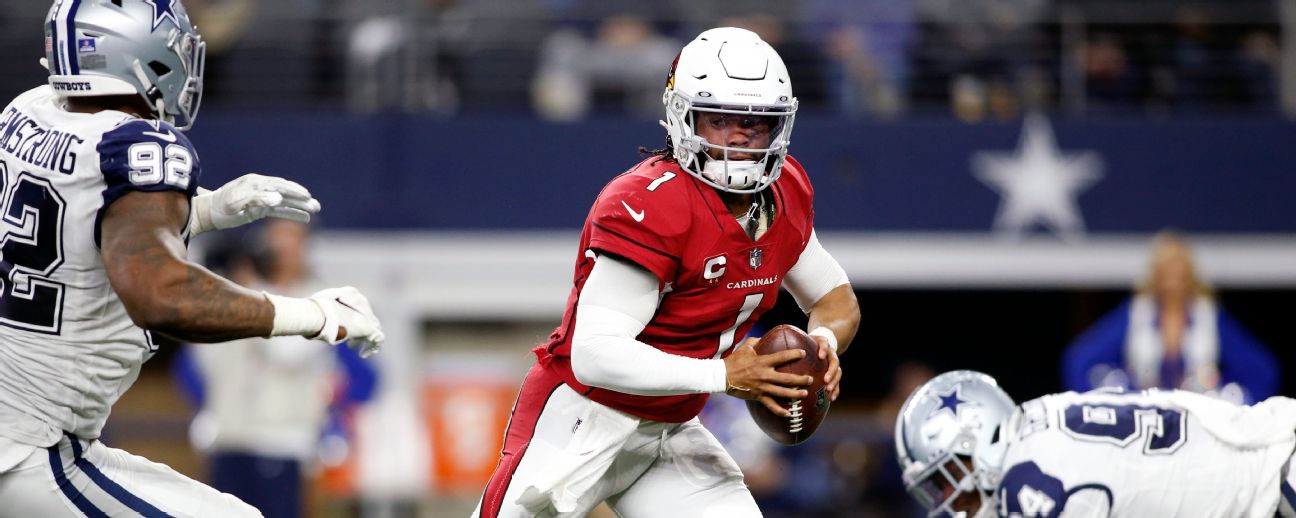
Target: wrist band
[(827, 334), (294, 316)]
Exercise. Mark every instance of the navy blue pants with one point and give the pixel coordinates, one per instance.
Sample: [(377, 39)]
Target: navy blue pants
[(272, 485)]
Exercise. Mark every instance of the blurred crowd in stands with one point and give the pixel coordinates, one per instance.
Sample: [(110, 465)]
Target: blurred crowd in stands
[(567, 59)]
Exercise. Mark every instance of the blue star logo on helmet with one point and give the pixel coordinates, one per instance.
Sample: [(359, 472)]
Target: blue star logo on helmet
[(950, 400), (162, 9)]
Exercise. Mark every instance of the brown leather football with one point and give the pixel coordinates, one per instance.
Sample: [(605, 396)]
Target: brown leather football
[(808, 411)]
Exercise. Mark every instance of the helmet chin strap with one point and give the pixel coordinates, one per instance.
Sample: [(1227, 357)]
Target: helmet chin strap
[(159, 105)]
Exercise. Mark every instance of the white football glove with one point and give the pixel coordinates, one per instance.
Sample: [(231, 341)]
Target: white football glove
[(249, 198), (347, 308)]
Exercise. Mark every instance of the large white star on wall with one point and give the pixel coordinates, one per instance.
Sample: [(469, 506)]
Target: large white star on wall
[(1037, 183)]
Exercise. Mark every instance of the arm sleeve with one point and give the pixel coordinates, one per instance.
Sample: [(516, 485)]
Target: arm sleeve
[(815, 274), (616, 302), (1102, 344)]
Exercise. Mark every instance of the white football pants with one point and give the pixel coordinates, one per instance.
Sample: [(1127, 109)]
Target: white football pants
[(86, 478), (564, 454)]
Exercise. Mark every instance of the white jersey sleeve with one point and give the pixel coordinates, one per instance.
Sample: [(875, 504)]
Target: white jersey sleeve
[(68, 349), (1154, 453)]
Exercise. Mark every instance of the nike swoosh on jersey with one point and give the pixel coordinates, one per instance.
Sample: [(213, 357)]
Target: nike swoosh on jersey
[(168, 136), (638, 216)]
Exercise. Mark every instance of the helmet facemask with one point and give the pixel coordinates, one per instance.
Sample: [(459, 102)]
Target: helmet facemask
[(692, 151), (951, 471), (192, 54)]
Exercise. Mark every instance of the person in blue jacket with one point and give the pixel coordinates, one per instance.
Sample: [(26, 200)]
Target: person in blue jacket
[(1172, 333)]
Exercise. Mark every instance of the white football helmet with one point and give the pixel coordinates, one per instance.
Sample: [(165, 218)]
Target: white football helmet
[(124, 47), (958, 416), (729, 70)]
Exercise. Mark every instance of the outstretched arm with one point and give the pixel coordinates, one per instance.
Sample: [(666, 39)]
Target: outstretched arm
[(165, 293), (162, 291)]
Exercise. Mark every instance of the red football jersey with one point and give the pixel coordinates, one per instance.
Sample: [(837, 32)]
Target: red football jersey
[(716, 281)]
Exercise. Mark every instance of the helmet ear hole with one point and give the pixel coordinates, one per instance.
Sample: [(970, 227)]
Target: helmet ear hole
[(159, 68)]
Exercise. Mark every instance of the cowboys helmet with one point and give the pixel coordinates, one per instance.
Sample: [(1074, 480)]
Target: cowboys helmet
[(125, 47), (951, 421), (730, 71)]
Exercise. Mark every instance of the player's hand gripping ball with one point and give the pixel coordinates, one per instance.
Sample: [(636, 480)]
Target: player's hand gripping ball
[(808, 411)]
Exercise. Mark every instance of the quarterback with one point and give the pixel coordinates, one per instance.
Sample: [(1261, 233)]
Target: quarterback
[(678, 257), (100, 196), (965, 450)]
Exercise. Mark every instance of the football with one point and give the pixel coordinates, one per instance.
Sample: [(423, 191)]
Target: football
[(808, 411)]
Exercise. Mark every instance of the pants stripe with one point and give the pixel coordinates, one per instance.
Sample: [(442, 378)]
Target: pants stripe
[(128, 499), (536, 391), (1288, 496), (78, 499)]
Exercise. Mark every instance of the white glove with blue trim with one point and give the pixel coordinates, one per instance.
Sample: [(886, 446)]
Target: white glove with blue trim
[(249, 198)]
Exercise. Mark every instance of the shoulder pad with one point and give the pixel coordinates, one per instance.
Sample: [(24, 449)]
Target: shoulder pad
[(149, 156)]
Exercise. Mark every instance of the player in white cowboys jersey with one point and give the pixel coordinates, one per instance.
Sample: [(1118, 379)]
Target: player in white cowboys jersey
[(966, 451), (98, 197)]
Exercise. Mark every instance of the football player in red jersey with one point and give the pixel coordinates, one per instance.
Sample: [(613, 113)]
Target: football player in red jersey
[(678, 258)]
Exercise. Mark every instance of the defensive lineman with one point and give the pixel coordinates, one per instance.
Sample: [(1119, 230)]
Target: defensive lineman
[(100, 195), (964, 448)]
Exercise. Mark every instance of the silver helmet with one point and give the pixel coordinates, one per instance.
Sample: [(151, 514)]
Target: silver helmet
[(730, 71), (949, 435), (124, 47)]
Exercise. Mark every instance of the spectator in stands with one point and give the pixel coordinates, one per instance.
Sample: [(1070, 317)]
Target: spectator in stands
[(1172, 334), (406, 56), (1258, 61), (265, 51), (1111, 82), (867, 47), (619, 70), (977, 54), (264, 402), (1199, 60)]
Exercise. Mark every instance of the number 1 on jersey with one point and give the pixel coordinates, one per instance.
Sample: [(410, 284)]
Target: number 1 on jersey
[(750, 303), (665, 177)]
